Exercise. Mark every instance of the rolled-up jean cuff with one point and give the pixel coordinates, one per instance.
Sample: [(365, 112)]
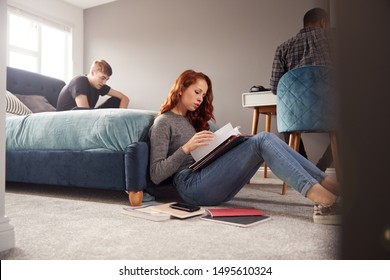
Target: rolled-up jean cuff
[(320, 177), (308, 186)]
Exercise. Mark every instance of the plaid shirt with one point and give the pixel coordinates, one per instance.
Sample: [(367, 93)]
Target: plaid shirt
[(311, 46)]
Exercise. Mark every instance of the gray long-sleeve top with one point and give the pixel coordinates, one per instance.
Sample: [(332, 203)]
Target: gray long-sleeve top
[(167, 135)]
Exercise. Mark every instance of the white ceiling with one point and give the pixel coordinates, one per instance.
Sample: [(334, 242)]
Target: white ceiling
[(85, 4)]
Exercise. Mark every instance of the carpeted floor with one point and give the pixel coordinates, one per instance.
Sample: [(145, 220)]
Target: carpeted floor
[(59, 223)]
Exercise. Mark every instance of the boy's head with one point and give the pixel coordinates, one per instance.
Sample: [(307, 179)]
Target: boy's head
[(101, 66), (100, 73)]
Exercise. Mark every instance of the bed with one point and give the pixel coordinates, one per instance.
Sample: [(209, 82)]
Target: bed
[(105, 148)]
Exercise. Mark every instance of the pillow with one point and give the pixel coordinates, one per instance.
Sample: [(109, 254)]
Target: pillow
[(14, 105), (36, 103)]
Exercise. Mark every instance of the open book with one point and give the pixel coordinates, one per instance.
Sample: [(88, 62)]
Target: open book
[(224, 140)]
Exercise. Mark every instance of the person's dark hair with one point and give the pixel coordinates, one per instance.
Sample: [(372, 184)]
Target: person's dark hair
[(314, 16), (200, 117)]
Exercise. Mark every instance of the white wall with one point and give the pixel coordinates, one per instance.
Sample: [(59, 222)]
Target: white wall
[(56, 11), (63, 13), (150, 42), (7, 233)]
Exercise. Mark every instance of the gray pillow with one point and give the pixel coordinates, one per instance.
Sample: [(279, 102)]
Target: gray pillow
[(36, 103), (15, 106)]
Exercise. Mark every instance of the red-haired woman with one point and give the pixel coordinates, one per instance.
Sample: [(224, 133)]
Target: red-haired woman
[(182, 126)]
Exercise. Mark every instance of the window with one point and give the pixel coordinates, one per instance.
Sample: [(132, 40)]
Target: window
[(38, 45)]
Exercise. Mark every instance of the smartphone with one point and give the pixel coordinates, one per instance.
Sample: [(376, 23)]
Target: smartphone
[(185, 207)]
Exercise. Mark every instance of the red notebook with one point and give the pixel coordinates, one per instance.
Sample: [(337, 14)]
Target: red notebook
[(234, 212)]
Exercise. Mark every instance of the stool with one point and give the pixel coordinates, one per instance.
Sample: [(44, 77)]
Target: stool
[(306, 104)]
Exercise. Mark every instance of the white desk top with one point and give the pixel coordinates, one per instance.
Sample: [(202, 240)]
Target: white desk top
[(258, 99)]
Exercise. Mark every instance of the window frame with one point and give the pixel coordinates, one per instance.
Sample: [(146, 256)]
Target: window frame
[(41, 21)]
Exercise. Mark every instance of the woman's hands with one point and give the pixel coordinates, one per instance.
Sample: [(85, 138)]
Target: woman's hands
[(201, 138)]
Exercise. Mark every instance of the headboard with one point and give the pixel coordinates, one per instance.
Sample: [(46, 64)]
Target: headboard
[(30, 83)]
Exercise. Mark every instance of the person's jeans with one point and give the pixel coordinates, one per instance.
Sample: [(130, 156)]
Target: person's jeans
[(223, 179), (111, 102)]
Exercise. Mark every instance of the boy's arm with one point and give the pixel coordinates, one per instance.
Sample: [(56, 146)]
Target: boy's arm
[(82, 101), (123, 98)]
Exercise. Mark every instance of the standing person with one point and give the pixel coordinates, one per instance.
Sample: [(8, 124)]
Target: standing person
[(311, 46), (182, 126), (84, 91)]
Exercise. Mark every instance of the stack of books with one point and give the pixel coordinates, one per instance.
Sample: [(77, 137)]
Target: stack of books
[(241, 217), (159, 212)]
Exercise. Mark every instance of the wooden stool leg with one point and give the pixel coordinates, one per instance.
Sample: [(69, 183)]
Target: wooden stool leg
[(255, 121), (296, 141), (291, 140), (284, 188), (268, 129), (268, 122), (265, 170)]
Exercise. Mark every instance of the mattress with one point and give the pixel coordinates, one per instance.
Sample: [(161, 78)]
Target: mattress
[(108, 129)]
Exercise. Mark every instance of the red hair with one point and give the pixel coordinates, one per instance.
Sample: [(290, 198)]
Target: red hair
[(200, 117)]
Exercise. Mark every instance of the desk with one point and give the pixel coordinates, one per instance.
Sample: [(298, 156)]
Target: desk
[(262, 103)]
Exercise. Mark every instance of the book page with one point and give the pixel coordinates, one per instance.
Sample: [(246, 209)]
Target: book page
[(219, 137)]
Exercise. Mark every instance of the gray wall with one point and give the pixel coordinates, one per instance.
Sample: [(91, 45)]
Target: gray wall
[(150, 42)]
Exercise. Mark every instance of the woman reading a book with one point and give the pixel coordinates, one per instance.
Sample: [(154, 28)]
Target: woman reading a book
[(183, 125)]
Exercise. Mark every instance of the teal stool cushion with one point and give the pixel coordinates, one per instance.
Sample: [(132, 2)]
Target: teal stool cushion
[(306, 100)]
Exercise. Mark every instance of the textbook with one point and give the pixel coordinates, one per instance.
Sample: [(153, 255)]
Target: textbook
[(166, 209), (225, 139), (241, 217), (234, 212), (145, 212)]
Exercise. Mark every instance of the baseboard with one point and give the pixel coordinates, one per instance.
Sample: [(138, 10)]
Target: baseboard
[(271, 179), (331, 172), (7, 235)]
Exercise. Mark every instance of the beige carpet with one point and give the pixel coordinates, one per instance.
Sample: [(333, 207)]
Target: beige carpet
[(62, 223)]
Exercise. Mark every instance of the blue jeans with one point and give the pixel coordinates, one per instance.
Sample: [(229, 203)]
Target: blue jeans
[(223, 179)]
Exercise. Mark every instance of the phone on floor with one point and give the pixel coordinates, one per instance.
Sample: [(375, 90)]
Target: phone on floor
[(184, 207)]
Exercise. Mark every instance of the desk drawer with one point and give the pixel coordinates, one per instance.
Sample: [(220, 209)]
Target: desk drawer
[(253, 99)]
